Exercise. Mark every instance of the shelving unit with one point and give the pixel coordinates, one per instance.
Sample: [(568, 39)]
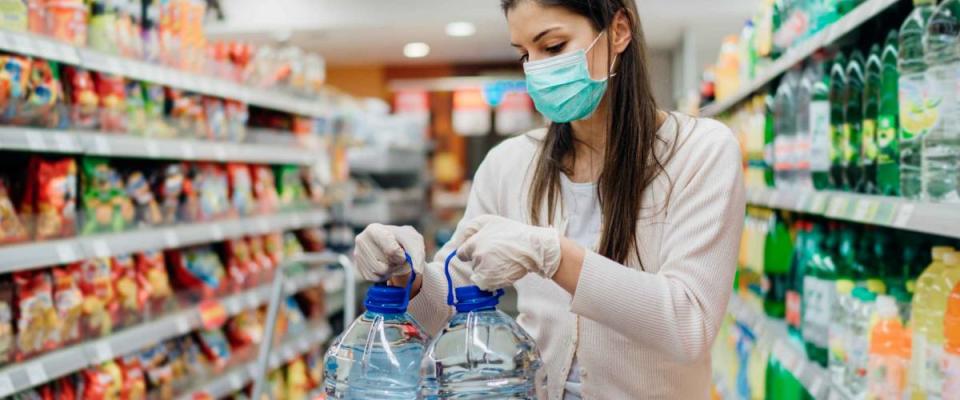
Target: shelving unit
[(795, 55), (894, 212), (17, 257), (50, 366)]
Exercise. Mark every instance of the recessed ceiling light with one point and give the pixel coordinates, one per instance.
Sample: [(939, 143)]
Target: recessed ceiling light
[(461, 29), (416, 50)]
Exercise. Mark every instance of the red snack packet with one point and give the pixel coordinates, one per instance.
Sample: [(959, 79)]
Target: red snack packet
[(273, 245), (265, 189), (111, 91), (240, 264), (259, 254), (35, 314), (68, 299), (99, 303), (152, 278), (129, 302), (49, 202), (11, 228), (134, 380), (82, 97)]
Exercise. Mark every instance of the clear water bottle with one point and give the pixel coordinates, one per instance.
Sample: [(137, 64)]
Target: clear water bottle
[(482, 353), (785, 110), (941, 147), (378, 355), (862, 309), (918, 107)]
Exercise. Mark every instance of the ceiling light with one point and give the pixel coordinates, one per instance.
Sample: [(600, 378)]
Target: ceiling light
[(416, 50), (461, 29)]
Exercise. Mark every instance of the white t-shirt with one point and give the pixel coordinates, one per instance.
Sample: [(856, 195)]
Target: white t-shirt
[(582, 207)]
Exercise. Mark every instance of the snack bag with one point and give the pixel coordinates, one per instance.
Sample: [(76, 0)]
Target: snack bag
[(212, 185), (106, 204), (36, 316), (260, 254), (6, 319), (134, 381), (135, 107), (65, 388), (216, 119), (130, 303), (13, 84), (265, 189), (14, 13), (146, 209), (158, 369), (64, 20), (154, 102), (290, 187), (313, 302), (316, 178), (99, 302), (298, 383), (314, 239), (296, 320), (103, 26), (170, 186), (241, 268), (186, 110), (68, 299), (214, 346), (103, 382), (245, 329), (154, 284), (191, 208), (113, 103), (198, 268), (49, 203), (237, 116), (273, 247), (43, 103), (12, 229), (291, 246), (241, 189), (82, 96)]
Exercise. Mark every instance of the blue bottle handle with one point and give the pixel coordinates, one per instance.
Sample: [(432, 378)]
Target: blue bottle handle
[(413, 276), (451, 299)]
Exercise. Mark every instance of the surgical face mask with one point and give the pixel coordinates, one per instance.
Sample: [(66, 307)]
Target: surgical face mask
[(561, 86)]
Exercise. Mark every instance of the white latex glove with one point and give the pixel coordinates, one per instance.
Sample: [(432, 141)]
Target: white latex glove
[(504, 250), (378, 254)]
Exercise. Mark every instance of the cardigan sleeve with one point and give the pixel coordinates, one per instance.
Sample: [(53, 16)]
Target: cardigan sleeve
[(678, 309)]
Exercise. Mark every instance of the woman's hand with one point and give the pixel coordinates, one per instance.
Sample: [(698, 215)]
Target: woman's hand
[(504, 250), (378, 254)]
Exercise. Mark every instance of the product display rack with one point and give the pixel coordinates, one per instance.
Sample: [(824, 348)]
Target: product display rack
[(50, 366), (797, 54)]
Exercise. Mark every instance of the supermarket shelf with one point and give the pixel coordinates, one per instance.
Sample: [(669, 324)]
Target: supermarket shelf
[(47, 367), (811, 375), (377, 160), (827, 36), (919, 216), (114, 145), (37, 46), (385, 212), (16, 257), (236, 378)]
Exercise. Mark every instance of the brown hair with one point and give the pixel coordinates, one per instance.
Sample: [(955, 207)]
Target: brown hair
[(630, 164)]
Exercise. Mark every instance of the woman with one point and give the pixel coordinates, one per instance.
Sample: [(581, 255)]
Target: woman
[(618, 225)]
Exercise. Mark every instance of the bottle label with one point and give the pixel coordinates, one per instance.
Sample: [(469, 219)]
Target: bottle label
[(918, 361), (869, 141), (817, 298), (850, 150), (820, 136), (793, 308), (887, 140), (918, 106), (886, 377), (837, 144), (801, 151), (781, 153)]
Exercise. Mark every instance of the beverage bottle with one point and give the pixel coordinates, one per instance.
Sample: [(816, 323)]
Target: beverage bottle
[(880, 267), (785, 108), (378, 355), (828, 12), (482, 353), (803, 139), (818, 295), (920, 320), (951, 346), (817, 76), (918, 106), (869, 148), (888, 156), (845, 6), (939, 293), (889, 353), (841, 310), (864, 302), (748, 53), (838, 111), (853, 122), (798, 266), (941, 146), (776, 267), (769, 136)]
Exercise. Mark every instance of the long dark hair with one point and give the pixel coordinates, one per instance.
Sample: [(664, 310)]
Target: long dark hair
[(630, 164)]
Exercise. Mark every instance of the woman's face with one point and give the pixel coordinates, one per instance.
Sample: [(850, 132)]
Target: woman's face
[(539, 32)]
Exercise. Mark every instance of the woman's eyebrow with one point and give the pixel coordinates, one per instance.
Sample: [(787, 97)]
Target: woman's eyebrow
[(539, 35)]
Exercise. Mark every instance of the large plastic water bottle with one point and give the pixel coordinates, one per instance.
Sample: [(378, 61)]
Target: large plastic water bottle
[(378, 356), (941, 147), (482, 353)]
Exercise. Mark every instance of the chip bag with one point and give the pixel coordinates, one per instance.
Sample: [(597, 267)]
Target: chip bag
[(36, 315), (113, 102), (11, 228), (241, 189), (126, 290), (265, 189), (170, 186), (68, 299), (106, 206), (214, 346), (83, 100), (49, 201), (146, 208), (99, 299), (152, 279)]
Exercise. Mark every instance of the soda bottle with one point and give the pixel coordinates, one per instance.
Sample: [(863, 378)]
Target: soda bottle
[(918, 106), (862, 310), (818, 295), (776, 267), (869, 148), (838, 112), (888, 157), (841, 310), (853, 122), (769, 135), (941, 146), (845, 6), (803, 140), (785, 108), (920, 320), (817, 76), (951, 346), (939, 293), (828, 12), (889, 353)]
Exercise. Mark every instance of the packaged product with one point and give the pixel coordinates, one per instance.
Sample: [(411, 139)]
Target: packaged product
[(241, 189), (298, 383), (83, 100), (265, 189), (259, 253), (215, 347), (11, 228), (146, 208), (6, 318), (36, 315), (296, 320), (245, 329), (134, 381), (273, 247), (106, 206), (315, 179), (198, 269), (216, 118), (129, 42), (68, 299), (103, 26), (154, 102), (99, 300), (170, 184), (65, 388), (65, 20), (291, 246), (103, 382), (313, 302), (314, 239), (237, 116), (152, 279), (148, 31), (48, 204), (130, 302), (191, 355), (111, 90), (211, 182), (290, 187), (43, 105), (190, 207), (158, 370), (14, 76), (241, 268), (275, 385), (13, 15), (136, 108), (314, 362), (186, 111)]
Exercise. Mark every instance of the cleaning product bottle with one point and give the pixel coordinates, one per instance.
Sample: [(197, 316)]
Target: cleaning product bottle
[(939, 294), (482, 352), (888, 157), (889, 353), (918, 106), (378, 355), (951, 346), (941, 146), (838, 111), (818, 76), (869, 148), (920, 321), (853, 122), (818, 295), (864, 302)]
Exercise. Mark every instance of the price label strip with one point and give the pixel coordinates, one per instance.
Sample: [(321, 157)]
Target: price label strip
[(103, 352), (66, 253), (886, 213), (6, 386), (36, 373)]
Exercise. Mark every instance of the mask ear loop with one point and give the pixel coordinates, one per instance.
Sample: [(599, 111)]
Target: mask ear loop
[(446, 271), (610, 73)]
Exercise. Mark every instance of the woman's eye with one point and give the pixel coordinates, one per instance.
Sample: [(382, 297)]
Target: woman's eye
[(556, 49)]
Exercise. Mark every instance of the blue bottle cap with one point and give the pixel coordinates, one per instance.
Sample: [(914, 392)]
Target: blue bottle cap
[(385, 299), (469, 298)]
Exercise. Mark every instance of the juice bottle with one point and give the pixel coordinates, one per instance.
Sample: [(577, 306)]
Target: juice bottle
[(939, 294), (918, 107), (951, 346), (838, 111), (817, 76), (888, 157), (776, 267), (889, 353), (869, 148), (941, 146), (920, 321), (853, 122)]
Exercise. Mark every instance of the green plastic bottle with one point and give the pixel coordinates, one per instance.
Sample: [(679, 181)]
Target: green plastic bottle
[(869, 148), (844, 255), (845, 6), (776, 267), (827, 13), (888, 157), (818, 289), (918, 108), (880, 270), (818, 76), (769, 136), (838, 111), (853, 122)]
